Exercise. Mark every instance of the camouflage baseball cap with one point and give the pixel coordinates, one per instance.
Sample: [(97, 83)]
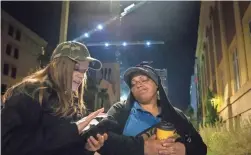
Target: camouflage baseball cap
[(77, 52)]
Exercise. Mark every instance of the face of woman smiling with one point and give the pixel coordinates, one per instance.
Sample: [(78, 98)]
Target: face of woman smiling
[(78, 74)]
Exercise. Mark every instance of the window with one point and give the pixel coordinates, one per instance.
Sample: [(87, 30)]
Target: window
[(109, 74), (243, 5), (217, 41), (211, 52), (6, 69), (13, 72), (207, 69), (18, 35), (214, 86), (228, 14), (3, 88), (246, 23), (203, 77), (249, 24), (16, 53), (8, 49), (102, 73), (10, 30), (105, 73), (222, 83), (236, 70)]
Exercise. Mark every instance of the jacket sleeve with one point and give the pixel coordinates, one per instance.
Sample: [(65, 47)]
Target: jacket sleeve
[(118, 144), (192, 140), (23, 130)]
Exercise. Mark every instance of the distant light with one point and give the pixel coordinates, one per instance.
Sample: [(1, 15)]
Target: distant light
[(148, 43), (100, 27), (86, 35), (124, 43), (129, 7), (106, 44), (122, 14)]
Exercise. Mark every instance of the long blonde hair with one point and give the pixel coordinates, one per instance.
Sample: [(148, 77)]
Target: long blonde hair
[(58, 72)]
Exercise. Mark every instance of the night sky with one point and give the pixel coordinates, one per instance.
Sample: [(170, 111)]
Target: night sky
[(176, 23)]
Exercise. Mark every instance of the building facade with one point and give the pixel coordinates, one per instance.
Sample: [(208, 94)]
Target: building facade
[(224, 58), (163, 76), (193, 95), (20, 48), (108, 85)]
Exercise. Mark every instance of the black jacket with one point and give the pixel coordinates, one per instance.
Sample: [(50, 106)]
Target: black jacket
[(117, 144), (31, 129)]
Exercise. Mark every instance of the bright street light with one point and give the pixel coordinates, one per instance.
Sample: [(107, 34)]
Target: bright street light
[(86, 35), (124, 43), (100, 27), (106, 44), (129, 7)]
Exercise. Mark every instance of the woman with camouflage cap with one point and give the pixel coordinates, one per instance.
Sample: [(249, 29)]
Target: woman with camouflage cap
[(40, 112)]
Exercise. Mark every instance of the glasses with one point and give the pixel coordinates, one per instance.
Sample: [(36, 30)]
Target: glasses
[(143, 80)]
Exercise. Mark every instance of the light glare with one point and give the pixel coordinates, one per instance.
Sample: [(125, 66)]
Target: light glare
[(86, 35), (123, 97), (100, 27)]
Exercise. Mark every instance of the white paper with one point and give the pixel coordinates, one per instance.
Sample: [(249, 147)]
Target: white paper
[(94, 121)]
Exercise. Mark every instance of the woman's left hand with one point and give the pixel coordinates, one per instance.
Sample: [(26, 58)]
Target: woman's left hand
[(95, 144), (173, 148)]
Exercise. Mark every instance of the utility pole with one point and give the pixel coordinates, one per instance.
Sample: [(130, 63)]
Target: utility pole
[(64, 21), (115, 10)]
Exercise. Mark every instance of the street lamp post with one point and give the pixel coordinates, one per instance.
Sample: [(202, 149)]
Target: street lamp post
[(64, 21)]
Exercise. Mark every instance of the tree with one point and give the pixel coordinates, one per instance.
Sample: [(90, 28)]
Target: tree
[(190, 114), (189, 111), (212, 116)]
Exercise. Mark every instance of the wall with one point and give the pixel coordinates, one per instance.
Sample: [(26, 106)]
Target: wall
[(224, 58), (24, 46)]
